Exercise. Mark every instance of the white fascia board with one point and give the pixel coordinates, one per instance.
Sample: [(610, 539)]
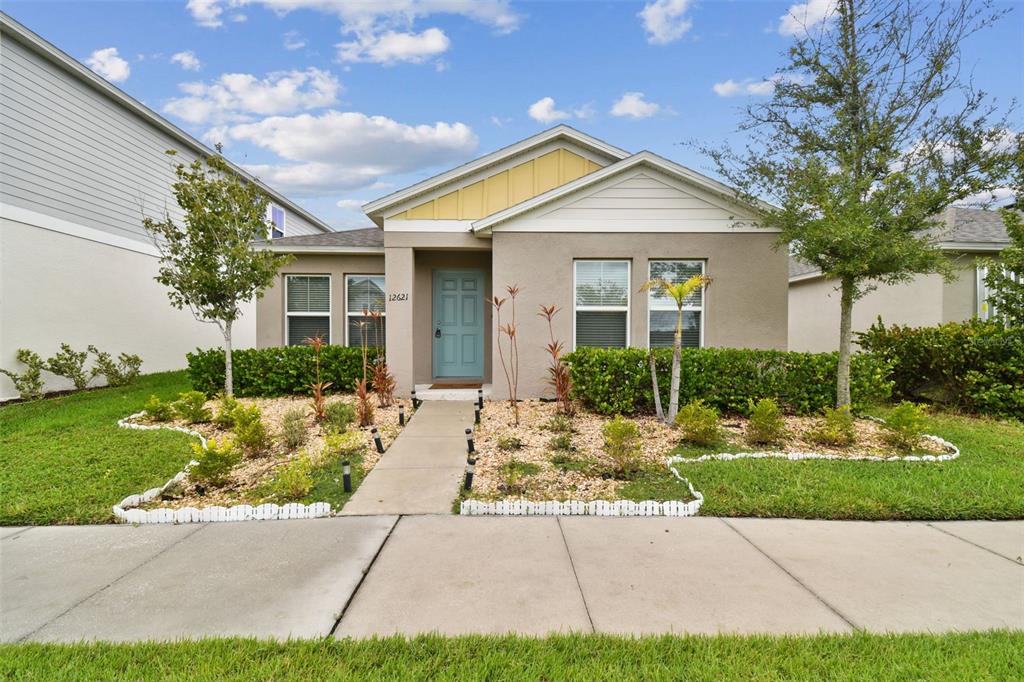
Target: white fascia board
[(354, 250), (806, 276), (973, 246)]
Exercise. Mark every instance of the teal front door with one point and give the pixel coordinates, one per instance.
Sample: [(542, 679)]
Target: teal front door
[(458, 333)]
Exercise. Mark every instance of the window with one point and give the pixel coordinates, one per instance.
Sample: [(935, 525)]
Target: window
[(365, 293), (602, 303), (984, 309), (308, 308), (275, 216), (662, 310)]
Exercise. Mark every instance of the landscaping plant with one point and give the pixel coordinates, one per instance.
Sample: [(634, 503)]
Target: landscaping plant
[(191, 406), (120, 372), (348, 445), (903, 426), (364, 404), (559, 376), (765, 425), (834, 428), (214, 462), (275, 371), (509, 331), (250, 432), (515, 474), (559, 423), (871, 130), (383, 379), (70, 364), (293, 481), (1005, 276), (319, 386), (293, 428), (698, 423), (508, 443), (159, 410), (622, 445), (225, 417), (338, 416), (561, 441), (28, 383)]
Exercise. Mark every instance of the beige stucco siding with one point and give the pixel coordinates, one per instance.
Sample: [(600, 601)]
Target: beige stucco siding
[(270, 326), (960, 295), (745, 307)]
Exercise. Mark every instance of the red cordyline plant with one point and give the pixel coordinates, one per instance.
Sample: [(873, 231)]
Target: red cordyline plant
[(318, 386), (558, 372), (383, 379), (511, 367)]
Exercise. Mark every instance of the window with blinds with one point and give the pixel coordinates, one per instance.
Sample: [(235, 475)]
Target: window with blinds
[(601, 302), (662, 310), (275, 216), (307, 308), (365, 293)]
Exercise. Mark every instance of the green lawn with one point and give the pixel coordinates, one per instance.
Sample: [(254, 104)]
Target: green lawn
[(976, 657), (66, 461), (984, 483)]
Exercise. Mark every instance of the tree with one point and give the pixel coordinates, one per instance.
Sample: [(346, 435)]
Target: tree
[(678, 292), (1005, 278), (209, 264), (869, 134)]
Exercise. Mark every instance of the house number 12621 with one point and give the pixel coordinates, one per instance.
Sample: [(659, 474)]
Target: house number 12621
[(398, 297)]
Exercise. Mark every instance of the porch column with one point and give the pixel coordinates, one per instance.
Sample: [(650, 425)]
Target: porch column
[(399, 269)]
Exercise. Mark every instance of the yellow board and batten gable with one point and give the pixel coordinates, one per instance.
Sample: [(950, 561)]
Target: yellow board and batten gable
[(501, 190)]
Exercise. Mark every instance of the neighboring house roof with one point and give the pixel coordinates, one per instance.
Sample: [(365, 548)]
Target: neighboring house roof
[(365, 240), (962, 229), (62, 60), (376, 208)]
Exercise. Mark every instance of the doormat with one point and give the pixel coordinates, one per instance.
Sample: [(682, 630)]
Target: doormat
[(444, 386)]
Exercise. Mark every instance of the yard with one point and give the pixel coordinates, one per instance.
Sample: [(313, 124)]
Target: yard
[(976, 656)]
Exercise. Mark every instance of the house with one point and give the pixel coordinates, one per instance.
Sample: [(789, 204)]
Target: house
[(965, 235), (570, 219), (82, 163)]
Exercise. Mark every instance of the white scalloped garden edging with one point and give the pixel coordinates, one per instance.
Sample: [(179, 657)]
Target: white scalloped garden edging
[(126, 510), (675, 507)]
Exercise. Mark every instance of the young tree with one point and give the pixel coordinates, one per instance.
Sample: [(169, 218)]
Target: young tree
[(1005, 278), (869, 134), (678, 292), (209, 264)]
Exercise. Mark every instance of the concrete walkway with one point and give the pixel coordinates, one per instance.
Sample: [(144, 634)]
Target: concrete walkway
[(361, 576), (420, 473)]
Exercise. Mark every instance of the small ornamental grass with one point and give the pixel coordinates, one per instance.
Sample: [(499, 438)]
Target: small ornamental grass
[(698, 423), (622, 445), (904, 426), (338, 416), (559, 423), (191, 406), (214, 462), (835, 428), (766, 425), (345, 446), (293, 428), (561, 441)]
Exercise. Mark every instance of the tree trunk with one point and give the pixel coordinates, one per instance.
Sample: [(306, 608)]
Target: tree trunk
[(229, 382), (673, 394), (654, 384), (845, 341)]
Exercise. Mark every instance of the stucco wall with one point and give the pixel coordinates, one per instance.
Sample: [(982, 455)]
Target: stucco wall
[(270, 322), (960, 295), (745, 307), (58, 288)]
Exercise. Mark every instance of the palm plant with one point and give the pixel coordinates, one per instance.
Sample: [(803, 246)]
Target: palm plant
[(678, 292)]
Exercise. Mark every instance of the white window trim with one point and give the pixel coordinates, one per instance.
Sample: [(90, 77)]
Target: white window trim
[(330, 304), (348, 313), (599, 309), (270, 220), (703, 297)]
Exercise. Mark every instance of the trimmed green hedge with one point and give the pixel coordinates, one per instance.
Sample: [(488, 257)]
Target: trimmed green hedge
[(977, 366), (269, 372), (618, 380)]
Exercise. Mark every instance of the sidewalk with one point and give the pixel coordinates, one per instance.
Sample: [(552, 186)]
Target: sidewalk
[(420, 473), (360, 576)]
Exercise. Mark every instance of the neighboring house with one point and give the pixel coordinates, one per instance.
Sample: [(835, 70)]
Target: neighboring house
[(571, 220), (81, 163), (965, 235)]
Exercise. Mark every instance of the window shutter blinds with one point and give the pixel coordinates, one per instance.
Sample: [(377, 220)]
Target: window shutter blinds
[(365, 293)]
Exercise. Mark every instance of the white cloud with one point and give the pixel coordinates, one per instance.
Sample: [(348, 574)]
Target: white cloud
[(584, 112), (501, 121), (293, 40), (337, 150), (803, 16), (206, 12), (237, 97), (350, 203), (752, 86), (634, 105), (392, 47), (544, 110), (187, 60), (109, 65), (666, 20)]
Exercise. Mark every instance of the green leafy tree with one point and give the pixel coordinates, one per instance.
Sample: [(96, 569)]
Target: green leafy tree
[(1005, 278), (209, 264), (869, 134)]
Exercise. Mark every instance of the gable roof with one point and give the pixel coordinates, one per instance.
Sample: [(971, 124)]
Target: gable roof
[(14, 30), (644, 158), (376, 208), (364, 240)]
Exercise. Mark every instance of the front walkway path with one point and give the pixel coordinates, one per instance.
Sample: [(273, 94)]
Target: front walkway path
[(362, 576), (421, 471)]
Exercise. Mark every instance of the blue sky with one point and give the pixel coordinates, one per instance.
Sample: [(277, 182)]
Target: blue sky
[(337, 102)]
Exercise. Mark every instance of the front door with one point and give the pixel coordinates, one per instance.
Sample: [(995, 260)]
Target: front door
[(458, 333)]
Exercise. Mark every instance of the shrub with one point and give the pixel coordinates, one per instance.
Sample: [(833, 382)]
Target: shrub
[(618, 380), (250, 431), (214, 462), (29, 383), (117, 373), (191, 406), (158, 410), (294, 480), (622, 445), (293, 428), (976, 366), (225, 418), (834, 428), (561, 441), (698, 423), (338, 416), (566, 462), (904, 426), (270, 372), (559, 423), (508, 443), (766, 425), (349, 445), (70, 364), (364, 406)]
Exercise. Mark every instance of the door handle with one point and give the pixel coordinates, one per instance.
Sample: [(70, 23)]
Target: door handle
[(437, 333)]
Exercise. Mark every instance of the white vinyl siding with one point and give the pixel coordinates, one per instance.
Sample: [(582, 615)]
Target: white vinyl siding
[(601, 303), (307, 308), (364, 293), (662, 311)]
